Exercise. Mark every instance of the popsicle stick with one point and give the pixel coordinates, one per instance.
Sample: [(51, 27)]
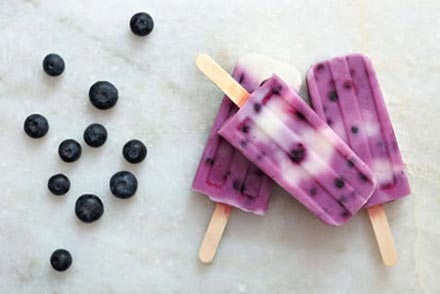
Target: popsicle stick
[(383, 234), (222, 79), (214, 232)]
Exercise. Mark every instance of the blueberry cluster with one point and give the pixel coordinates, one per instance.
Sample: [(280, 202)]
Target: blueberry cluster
[(103, 95)]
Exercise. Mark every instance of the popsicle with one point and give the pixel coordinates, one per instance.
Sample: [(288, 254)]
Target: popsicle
[(225, 175), (281, 135), (345, 92)]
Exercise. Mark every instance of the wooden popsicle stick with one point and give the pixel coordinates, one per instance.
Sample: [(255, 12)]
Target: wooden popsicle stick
[(221, 213), (222, 79), (383, 234), (214, 233)]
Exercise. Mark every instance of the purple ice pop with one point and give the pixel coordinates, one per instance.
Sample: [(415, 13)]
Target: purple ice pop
[(284, 137), (224, 174), (345, 92)]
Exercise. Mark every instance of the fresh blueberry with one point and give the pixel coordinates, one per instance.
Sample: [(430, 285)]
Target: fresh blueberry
[(69, 150), (89, 208), (141, 24), (36, 126), (53, 65), (123, 184), (103, 95), (134, 151), (95, 135), (61, 260), (58, 184)]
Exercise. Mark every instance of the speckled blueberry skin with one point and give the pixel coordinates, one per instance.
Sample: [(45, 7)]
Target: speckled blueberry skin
[(287, 140), (36, 126), (89, 208), (61, 260), (345, 92)]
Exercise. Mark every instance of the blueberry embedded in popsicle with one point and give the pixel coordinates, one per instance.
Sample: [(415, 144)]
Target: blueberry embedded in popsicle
[(347, 84), (209, 161), (241, 79), (329, 121), (363, 177), (339, 183), (245, 129), (298, 154), (350, 162), (354, 129), (299, 115), (314, 191), (320, 67), (277, 89), (333, 96), (257, 107), (237, 185)]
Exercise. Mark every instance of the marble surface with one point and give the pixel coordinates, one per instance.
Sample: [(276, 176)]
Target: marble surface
[(149, 244)]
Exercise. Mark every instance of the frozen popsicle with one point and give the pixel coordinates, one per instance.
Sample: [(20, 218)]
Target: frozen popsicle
[(345, 92), (282, 136), (224, 174)]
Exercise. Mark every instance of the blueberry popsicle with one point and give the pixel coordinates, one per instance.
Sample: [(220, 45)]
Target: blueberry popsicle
[(345, 92), (224, 174), (281, 135)]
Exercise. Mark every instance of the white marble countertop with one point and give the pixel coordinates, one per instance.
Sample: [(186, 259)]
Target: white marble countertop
[(149, 244)]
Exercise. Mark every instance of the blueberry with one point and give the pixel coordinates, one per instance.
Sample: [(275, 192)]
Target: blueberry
[(36, 126), (354, 129), (103, 95), (123, 184), (339, 183), (333, 96), (329, 122), (141, 24), (245, 129), (69, 150), (134, 151), (314, 191), (257, 107), (298, 154), (350, 162), (95, 135), (277, 89), (241, 79), (61, 260), (53, 65), (58, 184), (347, 85), (237, 185), (89, 208), (210, 161), (299, 115)]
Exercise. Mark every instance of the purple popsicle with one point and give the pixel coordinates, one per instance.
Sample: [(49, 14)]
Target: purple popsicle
[(224, 174), (345, 92), (284, 137)]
